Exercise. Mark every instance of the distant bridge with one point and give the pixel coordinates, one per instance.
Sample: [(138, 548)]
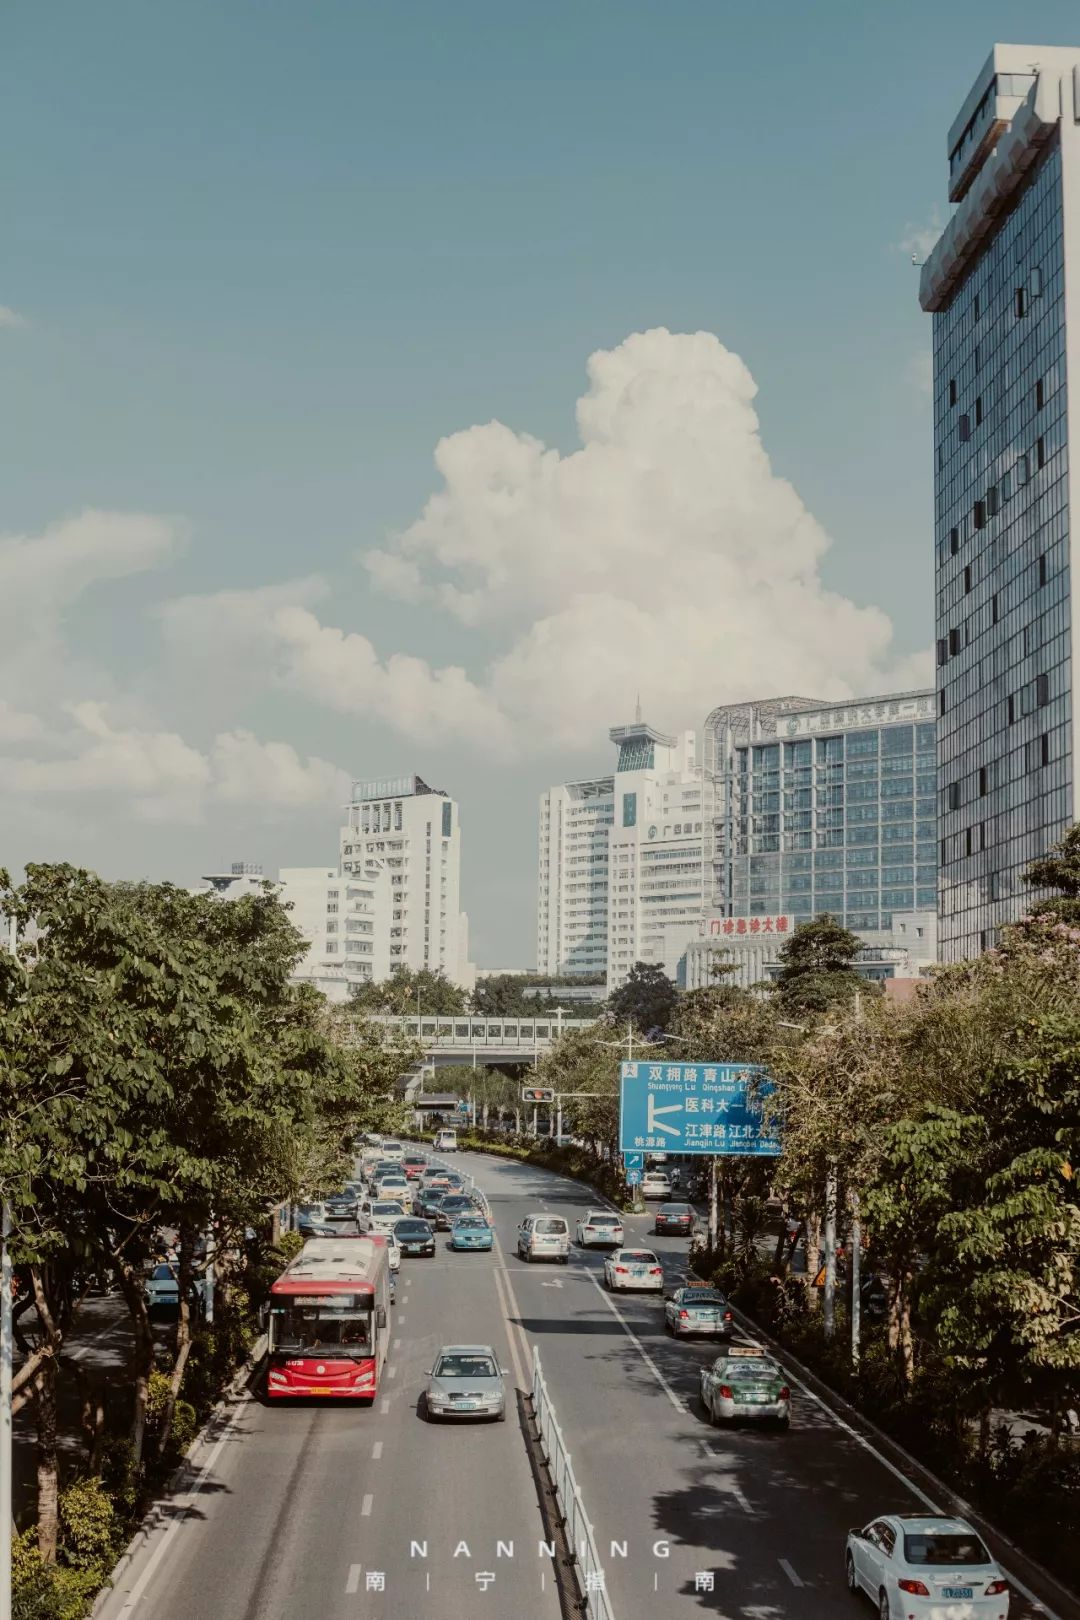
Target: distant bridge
[(481, 1040)]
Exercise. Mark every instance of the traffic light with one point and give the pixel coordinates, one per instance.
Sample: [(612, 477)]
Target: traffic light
[(538, 1094)]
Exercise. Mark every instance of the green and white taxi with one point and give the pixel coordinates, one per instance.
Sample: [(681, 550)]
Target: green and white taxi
[(745, 1382)]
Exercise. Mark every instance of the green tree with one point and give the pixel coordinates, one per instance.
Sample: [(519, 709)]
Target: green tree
[(408, 993), (647, 999), (503, 996), (1058, 869), (818, 968)]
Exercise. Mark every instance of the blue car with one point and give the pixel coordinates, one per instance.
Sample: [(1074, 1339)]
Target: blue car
[(471, 1232)]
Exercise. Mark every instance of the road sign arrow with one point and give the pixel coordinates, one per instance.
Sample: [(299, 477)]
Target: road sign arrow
[(656, 1123), (551, 1285)]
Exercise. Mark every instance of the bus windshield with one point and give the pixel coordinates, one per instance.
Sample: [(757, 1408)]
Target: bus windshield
[(330, 1325)]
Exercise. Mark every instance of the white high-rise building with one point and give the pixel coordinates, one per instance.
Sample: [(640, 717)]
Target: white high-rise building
[(414, 832), (345, 916), (620, 861)]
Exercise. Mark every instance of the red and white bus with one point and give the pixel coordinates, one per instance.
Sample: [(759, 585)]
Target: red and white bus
[(329, 1322)]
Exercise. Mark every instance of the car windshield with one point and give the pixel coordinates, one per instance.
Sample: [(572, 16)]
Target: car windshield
[(162, 1273), (463, 1366), (639, 1257), (603, 1220), (944, 1548), (747, 1367), (388, 1208), (456, 1201), (472, 1220), (699, 1296), (435, 1195), (413, 1158), (407, 1229), (675, 1209)]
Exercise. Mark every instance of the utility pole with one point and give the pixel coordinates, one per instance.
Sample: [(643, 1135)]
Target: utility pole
[(714, 1206), (856, 1302), (829, 1316), (209, 1312), (6, 1347)]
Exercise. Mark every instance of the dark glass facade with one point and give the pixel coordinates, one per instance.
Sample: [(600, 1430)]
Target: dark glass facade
[(1002, 567)]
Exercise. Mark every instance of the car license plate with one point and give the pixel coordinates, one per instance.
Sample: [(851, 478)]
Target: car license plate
[(638, 1271), (320, 1389), (958, 1592), (464, 1406)]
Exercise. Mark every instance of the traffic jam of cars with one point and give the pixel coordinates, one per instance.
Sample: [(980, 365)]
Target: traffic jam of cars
[(934, 1567)]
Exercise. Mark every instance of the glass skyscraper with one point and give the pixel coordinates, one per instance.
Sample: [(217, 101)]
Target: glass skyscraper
[(998, 286), (817, 807)]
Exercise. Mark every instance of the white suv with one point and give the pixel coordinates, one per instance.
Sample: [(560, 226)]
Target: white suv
[(544, 1237), (655, 1184), (600, 1228)]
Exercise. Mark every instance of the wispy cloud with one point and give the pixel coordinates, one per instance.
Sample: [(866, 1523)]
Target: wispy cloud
[(918, 241), (11, 320)]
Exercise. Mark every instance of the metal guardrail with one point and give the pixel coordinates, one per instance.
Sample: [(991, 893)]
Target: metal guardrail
[(579, 1531)]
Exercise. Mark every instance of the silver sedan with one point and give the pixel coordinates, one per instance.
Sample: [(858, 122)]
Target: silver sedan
[(466, 1381)]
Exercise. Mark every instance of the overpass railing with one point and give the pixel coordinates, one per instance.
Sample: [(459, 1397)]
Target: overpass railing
[(466, 1032)]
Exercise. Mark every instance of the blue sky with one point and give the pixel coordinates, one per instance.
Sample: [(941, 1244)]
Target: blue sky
[(262, 258)]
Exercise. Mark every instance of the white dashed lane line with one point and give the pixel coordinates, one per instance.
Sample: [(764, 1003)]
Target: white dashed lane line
[(789, 1572), (365, 1506), (376, 1451)]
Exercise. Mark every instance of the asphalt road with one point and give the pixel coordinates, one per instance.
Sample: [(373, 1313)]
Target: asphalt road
[(303, 1506)]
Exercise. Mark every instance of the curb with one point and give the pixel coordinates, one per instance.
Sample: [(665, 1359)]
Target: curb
[(1034, 1574), (151, 1523)]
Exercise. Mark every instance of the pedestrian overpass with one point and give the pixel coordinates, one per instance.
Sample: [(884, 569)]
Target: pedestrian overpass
[(464, 1039)]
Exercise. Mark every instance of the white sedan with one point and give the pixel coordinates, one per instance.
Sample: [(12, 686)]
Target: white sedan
[(634, 1269), (380, 1215), (921, 1566), (599, 1228)]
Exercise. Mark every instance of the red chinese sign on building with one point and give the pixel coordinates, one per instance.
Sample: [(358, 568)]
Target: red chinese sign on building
[(745, 927)]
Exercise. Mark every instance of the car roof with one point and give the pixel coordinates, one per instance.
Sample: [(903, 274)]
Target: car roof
[(933, 1524), (462, 1349)]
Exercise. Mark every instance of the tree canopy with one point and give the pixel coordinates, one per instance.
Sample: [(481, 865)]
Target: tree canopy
[(818, 967), (647, 999), (412, 993)]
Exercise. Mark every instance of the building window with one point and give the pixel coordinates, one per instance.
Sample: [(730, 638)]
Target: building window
[(1011, 708), (994, 609), (954, 795), (964, 428), (1040, 451), (975, 306), (1042, 690), (1023, 470), (992, 506), (1021, 302), (1044, 748), (954, 641), (1042, 569), (941, 701), (982, 781), (967, 578), (952, 390), (954, 542), (979, 515), (1006, 487), (942, 651), (1035, 282), (978, 411), (1040, 395), (967, 841)]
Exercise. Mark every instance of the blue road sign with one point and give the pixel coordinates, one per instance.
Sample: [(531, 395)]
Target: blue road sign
[(695, 1108), (633, 1161), (633, 1178)]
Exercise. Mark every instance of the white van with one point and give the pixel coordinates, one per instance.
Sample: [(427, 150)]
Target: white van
[(544, 1237), (446, 1141)]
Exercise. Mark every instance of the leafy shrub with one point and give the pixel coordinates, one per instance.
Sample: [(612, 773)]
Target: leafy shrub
[(88, 1525)]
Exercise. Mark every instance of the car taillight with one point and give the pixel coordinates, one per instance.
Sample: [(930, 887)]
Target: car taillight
[(785, 1394), (996, 1588), (725, 1392), (728, 1316), (655, 1271), (621, 1270), (684, 1316), (916, 1588)]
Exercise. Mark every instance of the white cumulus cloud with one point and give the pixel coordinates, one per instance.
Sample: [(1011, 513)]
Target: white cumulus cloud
[(163, 778), (664, 555), (16, 726)]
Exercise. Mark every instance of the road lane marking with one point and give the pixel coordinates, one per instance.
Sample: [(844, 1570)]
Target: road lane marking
[(391, 1372), (376, 1451), (159, 1551), (520, 1357), (401, 1318), (676, 1400), (555, 1284), (397, 1344), (365, 1506), (353, 1583), (789, 1572), (385, 1404)]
